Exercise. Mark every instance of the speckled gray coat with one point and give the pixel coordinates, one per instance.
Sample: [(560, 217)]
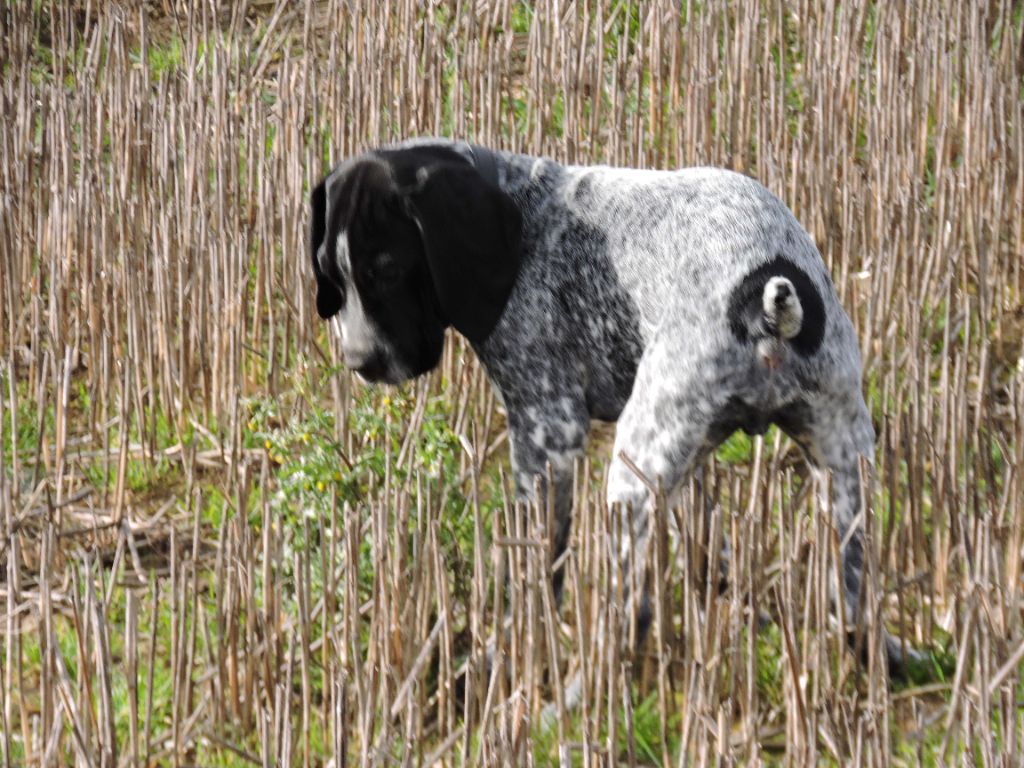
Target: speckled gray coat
[(621, 312), (681, 304)]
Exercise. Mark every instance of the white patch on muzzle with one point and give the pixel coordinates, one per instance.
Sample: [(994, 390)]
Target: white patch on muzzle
[(358, 336)]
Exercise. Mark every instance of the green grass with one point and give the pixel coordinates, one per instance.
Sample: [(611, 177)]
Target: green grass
[(162, 58), (737, 449), (646, 745)]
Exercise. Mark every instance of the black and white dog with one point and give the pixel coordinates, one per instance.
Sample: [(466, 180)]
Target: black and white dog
[(682, 304)]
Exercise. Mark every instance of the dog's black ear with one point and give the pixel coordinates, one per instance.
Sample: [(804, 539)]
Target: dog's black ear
[(328, 297), (471, 232)]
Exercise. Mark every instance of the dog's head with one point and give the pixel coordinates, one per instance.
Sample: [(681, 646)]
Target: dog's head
[(404, 243)]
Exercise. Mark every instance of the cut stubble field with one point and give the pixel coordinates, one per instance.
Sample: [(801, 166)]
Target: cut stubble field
[(219, 548)]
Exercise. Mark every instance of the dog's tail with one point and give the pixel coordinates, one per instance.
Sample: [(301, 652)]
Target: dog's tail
[(783, 314), (778, 305)]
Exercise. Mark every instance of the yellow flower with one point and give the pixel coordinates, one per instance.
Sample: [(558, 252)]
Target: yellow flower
[(305, 437), (266, 444), (386, 402), (320, 486)]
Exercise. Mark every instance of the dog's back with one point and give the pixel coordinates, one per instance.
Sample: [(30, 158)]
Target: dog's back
[(611, 255)]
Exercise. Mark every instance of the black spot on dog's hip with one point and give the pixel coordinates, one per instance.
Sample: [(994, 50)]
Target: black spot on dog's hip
[(745, 304)]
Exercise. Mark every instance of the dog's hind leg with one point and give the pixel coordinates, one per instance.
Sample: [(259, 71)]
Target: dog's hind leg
[(835, 432), (644, 460), (667, 428)]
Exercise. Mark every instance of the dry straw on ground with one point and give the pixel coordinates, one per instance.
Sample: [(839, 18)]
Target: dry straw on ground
[(167, 393)]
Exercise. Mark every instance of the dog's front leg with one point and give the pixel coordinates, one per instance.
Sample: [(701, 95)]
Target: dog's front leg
[(551, 434)]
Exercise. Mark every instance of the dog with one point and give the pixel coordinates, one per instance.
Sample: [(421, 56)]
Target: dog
[(682, 305)]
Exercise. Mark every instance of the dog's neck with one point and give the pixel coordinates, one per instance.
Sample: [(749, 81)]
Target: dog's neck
[(486, 163)]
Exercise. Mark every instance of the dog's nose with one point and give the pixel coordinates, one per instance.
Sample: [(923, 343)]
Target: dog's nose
[(372, 368)]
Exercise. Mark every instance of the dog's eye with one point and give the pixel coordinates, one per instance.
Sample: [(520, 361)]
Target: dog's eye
[(384, 270)]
